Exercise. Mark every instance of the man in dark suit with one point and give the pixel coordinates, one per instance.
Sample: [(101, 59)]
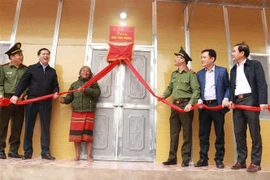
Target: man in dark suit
[(249, 88), (215, 90), (40, 79)]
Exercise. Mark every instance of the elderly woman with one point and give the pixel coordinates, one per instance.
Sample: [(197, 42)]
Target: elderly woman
[(83, 105)]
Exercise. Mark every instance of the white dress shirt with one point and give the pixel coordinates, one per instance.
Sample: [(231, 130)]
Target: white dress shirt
[(241, 82), (209, 89)]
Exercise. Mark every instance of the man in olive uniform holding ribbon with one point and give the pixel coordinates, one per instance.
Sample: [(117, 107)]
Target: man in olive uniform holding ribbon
[(185, 91), (10, 74)]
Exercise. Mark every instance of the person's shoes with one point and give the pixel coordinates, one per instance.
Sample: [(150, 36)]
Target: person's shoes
[(185, 163), (170, 162), (14, 155), (201, 163), (3, 155), (27, 156), (47, 156), (253, 168), (239, 165), (219, 164)]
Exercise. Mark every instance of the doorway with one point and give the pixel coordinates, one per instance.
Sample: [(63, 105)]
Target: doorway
[(124, 118)]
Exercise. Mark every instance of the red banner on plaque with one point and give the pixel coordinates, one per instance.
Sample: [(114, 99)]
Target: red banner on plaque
[(120, 52), (121, 34)]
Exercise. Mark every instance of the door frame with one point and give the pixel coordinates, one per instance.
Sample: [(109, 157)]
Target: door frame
[(153, 83)]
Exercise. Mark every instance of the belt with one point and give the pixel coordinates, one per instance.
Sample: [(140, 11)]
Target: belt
[(178, 101), (8, 95), (241, 96), (209, 101)]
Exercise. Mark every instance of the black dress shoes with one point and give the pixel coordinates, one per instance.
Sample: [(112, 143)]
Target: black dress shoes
[(47, 156), (3, 155), (185, 163), (219, 164), (14, 155), (201, 163), (27, 156), (170, 162)]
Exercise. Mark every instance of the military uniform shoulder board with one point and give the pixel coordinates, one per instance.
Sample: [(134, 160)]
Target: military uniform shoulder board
[(4, 64), (192, 71)]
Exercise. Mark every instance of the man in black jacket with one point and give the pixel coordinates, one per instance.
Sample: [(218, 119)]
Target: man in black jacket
[(249, 88), (40, 79)]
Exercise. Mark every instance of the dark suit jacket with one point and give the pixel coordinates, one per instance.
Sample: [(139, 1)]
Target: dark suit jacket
[(222, 84), (38, 82), (255, 76)]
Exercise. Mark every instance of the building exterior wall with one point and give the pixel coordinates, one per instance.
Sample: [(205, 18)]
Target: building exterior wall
[(207, 30)]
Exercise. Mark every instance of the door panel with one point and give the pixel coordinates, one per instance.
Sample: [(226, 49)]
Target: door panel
[(104, 134), (3, 48), (135, 91), (107, 82), (136, 134)]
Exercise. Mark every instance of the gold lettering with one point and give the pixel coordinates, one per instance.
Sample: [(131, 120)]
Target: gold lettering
[(127, 38), (121, 34)]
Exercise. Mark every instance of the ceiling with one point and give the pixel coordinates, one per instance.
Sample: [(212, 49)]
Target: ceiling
[(233, 3)]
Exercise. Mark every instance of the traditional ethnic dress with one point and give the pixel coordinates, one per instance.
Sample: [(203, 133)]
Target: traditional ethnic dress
[(83, 106)]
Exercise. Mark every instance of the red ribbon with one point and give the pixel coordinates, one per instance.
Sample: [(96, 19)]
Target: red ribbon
[(101, 74), (106, 70), (243, 107), (6, 101)]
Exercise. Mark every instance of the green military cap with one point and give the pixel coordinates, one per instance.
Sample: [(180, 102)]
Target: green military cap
[(183, 53), (14, 49)]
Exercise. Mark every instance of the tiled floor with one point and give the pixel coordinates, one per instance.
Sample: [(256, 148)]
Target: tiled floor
[(37, 161)]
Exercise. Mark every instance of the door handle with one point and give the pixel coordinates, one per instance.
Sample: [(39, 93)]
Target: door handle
[(115, 105)]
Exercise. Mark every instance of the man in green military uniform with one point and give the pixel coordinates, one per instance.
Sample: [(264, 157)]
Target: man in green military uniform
[(10, 74), (185, 91)]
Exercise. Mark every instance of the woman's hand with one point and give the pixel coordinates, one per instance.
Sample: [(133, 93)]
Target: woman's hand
[(61, 100), (80, 89)]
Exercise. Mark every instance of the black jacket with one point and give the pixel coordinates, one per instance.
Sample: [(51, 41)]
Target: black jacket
[(255, 76), (38, 82)]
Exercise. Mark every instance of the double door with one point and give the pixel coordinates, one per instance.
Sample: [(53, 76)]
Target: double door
[(124, 118)]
